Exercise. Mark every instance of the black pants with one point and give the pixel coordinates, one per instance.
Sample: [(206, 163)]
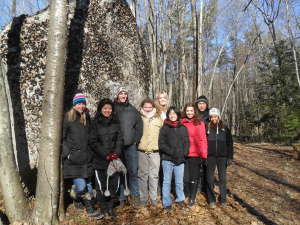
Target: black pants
[(100, 185), (212, 162), (191, 169)]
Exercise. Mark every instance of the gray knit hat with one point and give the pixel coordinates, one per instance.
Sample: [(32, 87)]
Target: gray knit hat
[(122, 88), (214, 111)]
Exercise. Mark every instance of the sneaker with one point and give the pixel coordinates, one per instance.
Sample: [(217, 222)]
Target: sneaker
[(143, 203), (135, 201), (168, 208), (154, 202), (224, 204), (212, 205)]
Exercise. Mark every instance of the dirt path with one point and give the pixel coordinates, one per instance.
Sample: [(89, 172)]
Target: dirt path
[(263, 188)]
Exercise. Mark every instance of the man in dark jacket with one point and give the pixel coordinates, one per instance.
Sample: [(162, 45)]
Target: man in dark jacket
[(132, 126), (202, 106)]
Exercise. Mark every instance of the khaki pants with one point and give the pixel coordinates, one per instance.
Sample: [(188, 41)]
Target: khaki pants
[(148, 174)]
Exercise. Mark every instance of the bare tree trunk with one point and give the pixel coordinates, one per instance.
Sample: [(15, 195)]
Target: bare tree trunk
[(182, 61), (200, 53), (15, 202), (292, 41), (46, 204), (132, 5), (195, 49), (13, 8), (221, 50)]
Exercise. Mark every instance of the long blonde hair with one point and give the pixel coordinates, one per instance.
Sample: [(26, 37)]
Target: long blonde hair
[(163, 108), (72, 116)]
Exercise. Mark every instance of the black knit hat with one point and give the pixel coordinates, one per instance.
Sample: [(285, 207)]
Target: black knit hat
[(202, 98)]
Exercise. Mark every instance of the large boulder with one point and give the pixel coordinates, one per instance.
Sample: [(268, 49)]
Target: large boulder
[(105, 50)]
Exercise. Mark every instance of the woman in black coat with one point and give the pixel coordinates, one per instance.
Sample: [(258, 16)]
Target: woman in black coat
[(77, 154), (107, 144), (219, 154), (174, 144)]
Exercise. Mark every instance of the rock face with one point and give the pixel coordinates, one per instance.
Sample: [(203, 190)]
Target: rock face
[(105, 50)]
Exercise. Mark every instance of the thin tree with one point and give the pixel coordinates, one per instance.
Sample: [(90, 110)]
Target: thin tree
[(15, 202), (46, 204)]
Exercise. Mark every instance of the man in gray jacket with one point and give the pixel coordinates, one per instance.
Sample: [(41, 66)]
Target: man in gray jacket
[(132, 126)]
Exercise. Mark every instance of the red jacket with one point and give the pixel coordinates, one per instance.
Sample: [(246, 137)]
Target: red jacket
[(197, 135)]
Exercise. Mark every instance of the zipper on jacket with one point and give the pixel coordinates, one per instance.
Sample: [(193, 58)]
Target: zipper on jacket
[(216, 143)]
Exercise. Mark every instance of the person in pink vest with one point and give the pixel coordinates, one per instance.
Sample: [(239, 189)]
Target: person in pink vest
[(198, 149)]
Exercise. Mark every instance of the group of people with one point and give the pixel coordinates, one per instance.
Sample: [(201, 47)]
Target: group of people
[(152, 147)]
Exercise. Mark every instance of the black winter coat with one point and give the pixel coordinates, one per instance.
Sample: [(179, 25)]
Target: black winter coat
[(76, 144), (220, 144), (204, 115), (105, 139), (131, 122), (174, 142)]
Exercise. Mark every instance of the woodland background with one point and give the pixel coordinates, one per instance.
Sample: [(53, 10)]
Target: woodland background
[(243, 55)]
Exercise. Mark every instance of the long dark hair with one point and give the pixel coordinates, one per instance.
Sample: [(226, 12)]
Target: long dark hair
[(100, 119), (176, 110), (211, 126), (197, 118)]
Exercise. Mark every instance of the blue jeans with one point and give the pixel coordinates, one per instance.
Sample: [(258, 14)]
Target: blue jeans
[(131, 161), (168, 168), (82, 185)]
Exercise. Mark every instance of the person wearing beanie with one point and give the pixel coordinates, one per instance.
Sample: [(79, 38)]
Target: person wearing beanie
[(197, 152), (132, 126), (202, 106), (219, 154), (77, 155), (107, 143)]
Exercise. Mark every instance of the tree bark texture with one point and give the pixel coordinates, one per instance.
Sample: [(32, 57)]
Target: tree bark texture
[(195, 49), (15, 202), (46, 204)]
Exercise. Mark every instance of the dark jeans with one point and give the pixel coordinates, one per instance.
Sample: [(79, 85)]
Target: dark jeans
[(83, 185), (131, 160), (101, 184), (212, 163)]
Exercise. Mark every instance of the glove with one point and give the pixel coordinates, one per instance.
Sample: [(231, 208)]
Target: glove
[(228, 162), (111, 156), (205, 162), (200, 162)]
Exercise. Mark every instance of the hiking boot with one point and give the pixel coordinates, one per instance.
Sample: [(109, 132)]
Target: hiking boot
[(154, 202), (121, 205), (224, 204), (110, 209), (90, 209), (168, 208), (182, 205), (212, 205), (78, 204), (135, 201), (103, 208)]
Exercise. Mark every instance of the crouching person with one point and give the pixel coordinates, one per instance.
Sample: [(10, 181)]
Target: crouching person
[(77, 155), (107, 143), (174, 144), (219, 154)]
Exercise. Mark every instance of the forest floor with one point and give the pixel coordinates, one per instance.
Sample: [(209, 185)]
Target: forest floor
[(263, 186)]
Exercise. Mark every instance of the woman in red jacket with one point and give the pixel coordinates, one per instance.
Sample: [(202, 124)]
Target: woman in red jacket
[(198, 149)]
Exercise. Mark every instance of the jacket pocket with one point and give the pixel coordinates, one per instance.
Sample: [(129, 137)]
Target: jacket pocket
[(75, 156)]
